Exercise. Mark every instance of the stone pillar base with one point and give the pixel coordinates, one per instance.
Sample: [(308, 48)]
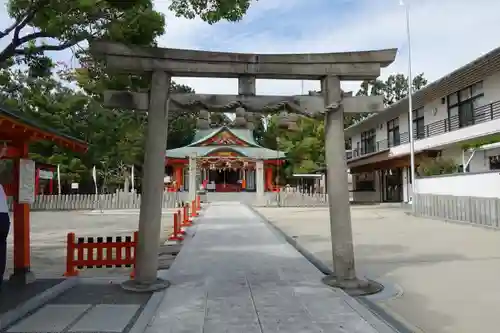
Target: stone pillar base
[(356, 287), (22, 276), (133, 285)]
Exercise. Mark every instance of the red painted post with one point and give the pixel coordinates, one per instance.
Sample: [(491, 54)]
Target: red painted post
[(175, 236), (135, 241), (179, 219), (194, 213), (37, 181), (70, 255)]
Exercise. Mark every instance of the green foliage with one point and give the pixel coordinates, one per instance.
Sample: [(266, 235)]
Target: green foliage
[(481, 142), (304, 148), (437, 166), (53, 25), (211, 11), (394, 88)]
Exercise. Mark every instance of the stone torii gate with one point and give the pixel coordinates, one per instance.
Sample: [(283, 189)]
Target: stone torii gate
[(163, 63)]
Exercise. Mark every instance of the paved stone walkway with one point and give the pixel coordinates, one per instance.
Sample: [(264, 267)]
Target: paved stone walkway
[(237, 275)]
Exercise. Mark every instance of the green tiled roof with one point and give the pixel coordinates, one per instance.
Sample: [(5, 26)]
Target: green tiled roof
[(253, 151)]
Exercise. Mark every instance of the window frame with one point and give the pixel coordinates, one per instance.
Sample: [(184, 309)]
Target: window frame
[(393, 134), (418, 116), (465, 106), (368, 141)]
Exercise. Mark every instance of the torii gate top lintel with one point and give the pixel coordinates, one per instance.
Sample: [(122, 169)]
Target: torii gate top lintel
[(195, 63)]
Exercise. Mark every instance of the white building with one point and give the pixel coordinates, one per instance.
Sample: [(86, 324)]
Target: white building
[(456, 109)]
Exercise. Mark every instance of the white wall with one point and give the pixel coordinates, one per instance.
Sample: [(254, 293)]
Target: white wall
[(381, 132), (491, 88), (403, 123), (355, 139), (486, 185), (435, 111)]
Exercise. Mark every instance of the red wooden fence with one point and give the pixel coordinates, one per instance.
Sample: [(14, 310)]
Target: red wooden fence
[(97, 252)]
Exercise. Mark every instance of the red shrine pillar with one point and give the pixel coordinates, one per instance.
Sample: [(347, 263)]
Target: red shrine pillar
[(178, 176), (21, 226), (269, 178), (37, 181)]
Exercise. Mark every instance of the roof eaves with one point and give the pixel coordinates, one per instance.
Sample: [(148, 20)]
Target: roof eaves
[(25, 121)]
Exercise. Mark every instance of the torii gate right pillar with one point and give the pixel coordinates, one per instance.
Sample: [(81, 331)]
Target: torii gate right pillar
[(338, 196)]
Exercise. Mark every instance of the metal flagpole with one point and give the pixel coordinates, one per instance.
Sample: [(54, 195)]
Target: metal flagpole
[(410, 109)]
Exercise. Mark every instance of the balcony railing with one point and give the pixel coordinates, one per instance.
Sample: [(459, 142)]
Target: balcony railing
[(479, 115)]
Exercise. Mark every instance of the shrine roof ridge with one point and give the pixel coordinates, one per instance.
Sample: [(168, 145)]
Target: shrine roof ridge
[(207, 134)]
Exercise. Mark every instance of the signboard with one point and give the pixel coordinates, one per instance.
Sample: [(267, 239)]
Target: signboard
[(46, 174), (74, 186), (26, 181)]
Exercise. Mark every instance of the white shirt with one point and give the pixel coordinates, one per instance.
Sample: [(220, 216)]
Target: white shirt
[(4, 208)]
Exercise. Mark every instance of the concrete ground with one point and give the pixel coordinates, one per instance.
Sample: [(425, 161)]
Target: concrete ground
[(49, 230), (238, 275), (446, 274)]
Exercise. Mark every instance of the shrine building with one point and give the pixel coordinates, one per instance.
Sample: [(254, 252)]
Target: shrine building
[(227, 161)]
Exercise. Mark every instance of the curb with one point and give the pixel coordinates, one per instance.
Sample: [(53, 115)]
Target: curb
[(148, 312), (364, 303), (36, 302)]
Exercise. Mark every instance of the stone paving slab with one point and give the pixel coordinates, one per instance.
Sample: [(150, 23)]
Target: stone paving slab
[(237, 275), (50, 318), (93, 305), (106, 318)]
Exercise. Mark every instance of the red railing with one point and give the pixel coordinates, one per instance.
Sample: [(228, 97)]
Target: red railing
[(100, 252), (90, 252)]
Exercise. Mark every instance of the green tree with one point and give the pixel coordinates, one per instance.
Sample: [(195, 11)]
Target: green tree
[(211, 11), (52, 25), (393, 89)]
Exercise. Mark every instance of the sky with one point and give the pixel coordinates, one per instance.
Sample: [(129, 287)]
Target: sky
[(445, 34)]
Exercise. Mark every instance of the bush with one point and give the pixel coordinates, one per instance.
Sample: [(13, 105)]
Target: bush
[(437, 166)]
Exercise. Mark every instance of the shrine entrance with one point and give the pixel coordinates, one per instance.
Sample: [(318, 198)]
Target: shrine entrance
[(225, 180), (226, 173)]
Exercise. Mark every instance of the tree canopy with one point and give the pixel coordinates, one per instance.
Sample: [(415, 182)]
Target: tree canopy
[(39, 26)]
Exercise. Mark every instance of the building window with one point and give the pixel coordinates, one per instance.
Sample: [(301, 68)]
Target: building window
[(461, 105), (495, 162), (368, 142), (393, 132), (418, 124), (364, 182)]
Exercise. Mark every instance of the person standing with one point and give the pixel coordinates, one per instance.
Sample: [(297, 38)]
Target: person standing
[(4, 232)]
